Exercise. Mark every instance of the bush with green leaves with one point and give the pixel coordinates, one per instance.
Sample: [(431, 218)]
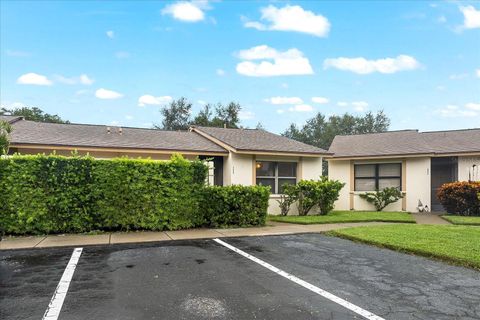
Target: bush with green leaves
[(309, 194), (54, 194), (234, 205), (462, 197), (382, 198), (5, 130)]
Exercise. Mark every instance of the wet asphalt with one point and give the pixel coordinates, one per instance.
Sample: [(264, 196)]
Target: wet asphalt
[(200, 279)]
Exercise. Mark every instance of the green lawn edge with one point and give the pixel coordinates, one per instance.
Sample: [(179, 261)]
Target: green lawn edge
[(346, 219), (419, 252), (453, 220)]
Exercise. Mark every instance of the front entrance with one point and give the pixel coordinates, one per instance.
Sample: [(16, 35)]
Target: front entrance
[(444, 170)]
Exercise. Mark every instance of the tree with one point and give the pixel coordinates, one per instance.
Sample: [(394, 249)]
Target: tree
[(5, 130), (176, 116), (320, 132), (225, 116), (33, 114)]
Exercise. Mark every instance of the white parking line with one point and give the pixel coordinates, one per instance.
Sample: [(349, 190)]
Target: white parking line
[(364, 313), (55, 305)]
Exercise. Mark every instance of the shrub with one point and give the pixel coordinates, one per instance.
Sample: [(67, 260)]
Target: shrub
[(52, 194), (234, 205), (287, 198), (310, 193), (382, 198), (460, 198)]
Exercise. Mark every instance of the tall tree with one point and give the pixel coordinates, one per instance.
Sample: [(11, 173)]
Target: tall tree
[(225, 116), (33, 114), (176, 116), (5, 130), (320, 131)]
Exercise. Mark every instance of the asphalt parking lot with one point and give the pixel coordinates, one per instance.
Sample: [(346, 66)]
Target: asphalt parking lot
[(203, 279)]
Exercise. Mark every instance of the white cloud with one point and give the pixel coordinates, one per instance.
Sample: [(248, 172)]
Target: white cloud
[(471, 17), (477, 73), (359, 106), (473, 106), (320, 100), (13, 105), (220, 72), (148, 99), (290, 62), (107, 94), (84, 79), (361, 65), (280, 111), (342, 104), (202, 102), (187, 11), (301, 108), (458, 76), (454, 111), (22, 54), (34, 79), (122, 54), (284, 100), (110, 34), (291, 18), (246, 115)]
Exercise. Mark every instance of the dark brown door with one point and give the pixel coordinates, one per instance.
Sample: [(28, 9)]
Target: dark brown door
[(444, 170)]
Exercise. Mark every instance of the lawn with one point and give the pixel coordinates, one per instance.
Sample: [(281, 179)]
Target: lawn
[(472, 221), (347, 216), (455, 244)]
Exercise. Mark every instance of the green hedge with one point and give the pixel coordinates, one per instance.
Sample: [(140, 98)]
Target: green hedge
[(235, 205), (54, 194)]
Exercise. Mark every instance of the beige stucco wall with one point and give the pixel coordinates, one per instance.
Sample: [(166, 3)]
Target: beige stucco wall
[(311, 168), (241, 169), (417, 184), (465, 166)]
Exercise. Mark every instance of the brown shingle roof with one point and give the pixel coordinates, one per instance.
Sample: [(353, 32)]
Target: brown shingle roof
[(259, 140), (406, 142), (83, 135), (10, 119)]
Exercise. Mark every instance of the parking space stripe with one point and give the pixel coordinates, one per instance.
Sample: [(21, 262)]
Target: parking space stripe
[(364, 313), (55, 305)]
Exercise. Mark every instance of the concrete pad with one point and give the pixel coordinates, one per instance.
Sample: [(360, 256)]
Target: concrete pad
[(429, 218), (194, 234), (261, 231), (143, 236), (74, 240), (20, 242)]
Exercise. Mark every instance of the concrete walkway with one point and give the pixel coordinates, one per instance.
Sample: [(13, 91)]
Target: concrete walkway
[(272, 228), (429, 218)]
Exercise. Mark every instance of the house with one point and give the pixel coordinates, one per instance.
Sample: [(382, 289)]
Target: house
[(237, 156), (417, 163)]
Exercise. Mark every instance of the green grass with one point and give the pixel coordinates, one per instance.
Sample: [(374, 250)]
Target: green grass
[(347, 216), (455, 244), (472, 221)]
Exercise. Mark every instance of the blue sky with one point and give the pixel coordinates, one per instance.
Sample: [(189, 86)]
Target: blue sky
[(118, 62)]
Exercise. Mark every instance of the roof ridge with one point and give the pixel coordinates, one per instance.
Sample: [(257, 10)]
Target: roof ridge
[(453, 130), (381, 132)]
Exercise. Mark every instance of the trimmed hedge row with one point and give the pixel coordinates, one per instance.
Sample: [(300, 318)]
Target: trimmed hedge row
[(235, 205), (54, 194)]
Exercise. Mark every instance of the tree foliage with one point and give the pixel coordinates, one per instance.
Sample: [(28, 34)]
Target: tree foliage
[(5, 130), (178, 115), (320, 131), (33, 114)]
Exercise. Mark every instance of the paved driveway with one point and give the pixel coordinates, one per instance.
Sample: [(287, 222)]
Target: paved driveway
[(203, 279)]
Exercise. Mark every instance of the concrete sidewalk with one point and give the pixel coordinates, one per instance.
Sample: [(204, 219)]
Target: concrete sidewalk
[(272, 228)]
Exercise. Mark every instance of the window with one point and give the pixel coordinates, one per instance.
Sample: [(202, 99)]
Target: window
[(276, 174), (371, 177)]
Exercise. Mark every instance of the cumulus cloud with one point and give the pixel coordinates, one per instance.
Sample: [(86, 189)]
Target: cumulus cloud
[(34, 79), (473, 106), (110, 34), (107, 94), (187, 11), (148, 99), (454, 111), (301, 108), (471, 17), (342, 104), (290, 18), (284, 100), (359, 106), (86, 80), (320, 100), (477, 73), (273, 62), (361, 65)]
